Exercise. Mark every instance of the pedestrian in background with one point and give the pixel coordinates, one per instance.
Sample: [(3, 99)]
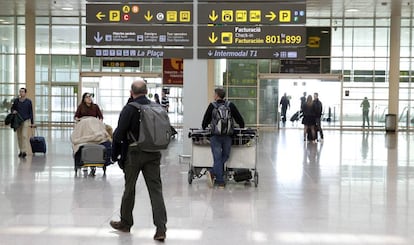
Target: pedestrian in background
[(365, 111), (23, 106)]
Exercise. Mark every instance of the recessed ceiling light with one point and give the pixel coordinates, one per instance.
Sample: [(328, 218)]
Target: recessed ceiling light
[(67, 8), (352, 10)]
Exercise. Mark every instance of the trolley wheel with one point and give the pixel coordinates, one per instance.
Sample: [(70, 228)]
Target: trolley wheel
[(256, 178), (190, 176)]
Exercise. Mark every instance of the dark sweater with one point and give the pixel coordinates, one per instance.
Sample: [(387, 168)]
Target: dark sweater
[(24, 108), (234, 113)]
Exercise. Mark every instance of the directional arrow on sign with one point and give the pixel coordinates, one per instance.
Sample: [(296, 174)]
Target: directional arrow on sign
[(148, 16), (213, 16), (98, 38), (100, 15), (213, 38), (271, 16)]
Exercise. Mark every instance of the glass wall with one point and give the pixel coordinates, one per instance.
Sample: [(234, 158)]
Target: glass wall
[(360, 51)]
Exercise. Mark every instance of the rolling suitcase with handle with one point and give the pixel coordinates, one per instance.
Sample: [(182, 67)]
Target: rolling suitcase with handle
[(38, 143)]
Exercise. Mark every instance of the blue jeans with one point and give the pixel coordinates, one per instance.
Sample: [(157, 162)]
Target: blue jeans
[(220, 147)]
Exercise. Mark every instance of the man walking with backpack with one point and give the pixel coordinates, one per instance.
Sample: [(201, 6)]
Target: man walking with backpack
[(139, 160), (220, 115)]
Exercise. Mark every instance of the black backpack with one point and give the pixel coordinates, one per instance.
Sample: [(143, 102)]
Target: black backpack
[(221, 120)]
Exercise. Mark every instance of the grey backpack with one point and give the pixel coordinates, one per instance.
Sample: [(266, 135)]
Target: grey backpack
[(221, 119), (154, 128)]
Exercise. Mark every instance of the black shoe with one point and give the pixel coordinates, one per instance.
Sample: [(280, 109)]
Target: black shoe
[(93, 171), (24, 154), (20, 154), (159, 236), (118, 225)]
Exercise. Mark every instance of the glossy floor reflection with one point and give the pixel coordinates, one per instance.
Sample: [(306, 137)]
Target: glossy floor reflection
[(354, 188)]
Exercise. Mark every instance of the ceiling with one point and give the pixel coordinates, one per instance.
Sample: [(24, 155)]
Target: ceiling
[(315, 8)]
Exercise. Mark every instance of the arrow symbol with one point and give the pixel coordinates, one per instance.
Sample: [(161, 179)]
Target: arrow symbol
[(213, 16), (271, 16), (100, 15), (148, 16), (276, 54), (210, 53), (213, 38), (98, 38)]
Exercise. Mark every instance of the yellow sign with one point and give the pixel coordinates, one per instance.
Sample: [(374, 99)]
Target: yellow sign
[(227, 37), (255, 16), (115, 15), (284, 16), (171, 16), (185, 16), (314, 42), (241, 15), (227, 15)]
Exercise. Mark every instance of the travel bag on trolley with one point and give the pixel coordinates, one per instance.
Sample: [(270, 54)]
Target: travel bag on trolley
[(241, 165), (92, 146)]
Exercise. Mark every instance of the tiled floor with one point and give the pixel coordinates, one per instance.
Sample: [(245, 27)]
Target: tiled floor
[(354, 188)]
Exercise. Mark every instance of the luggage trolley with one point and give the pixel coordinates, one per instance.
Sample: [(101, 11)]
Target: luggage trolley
[(241, 163), (93, 156)]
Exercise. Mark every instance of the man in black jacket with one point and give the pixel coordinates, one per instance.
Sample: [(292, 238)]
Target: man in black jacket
[(220, 144), (317, 108), (137, 161)]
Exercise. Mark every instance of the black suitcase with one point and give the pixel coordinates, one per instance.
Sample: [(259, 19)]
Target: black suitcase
[(242, 175), (38, 144), (295, 116)]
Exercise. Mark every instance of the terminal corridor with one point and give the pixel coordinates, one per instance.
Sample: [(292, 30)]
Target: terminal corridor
[(353, 188)]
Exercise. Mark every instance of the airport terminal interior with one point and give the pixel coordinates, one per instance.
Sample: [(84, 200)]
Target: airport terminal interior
[(351, 187)]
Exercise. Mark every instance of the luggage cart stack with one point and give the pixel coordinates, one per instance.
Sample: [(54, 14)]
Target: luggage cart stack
[(241, 166)]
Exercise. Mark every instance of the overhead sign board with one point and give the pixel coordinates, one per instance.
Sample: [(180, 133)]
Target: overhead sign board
[(120, 63), (252, 13), (112, 35), (252, 36), (109, 52), (252, 53), (127, 1), (142, 13)]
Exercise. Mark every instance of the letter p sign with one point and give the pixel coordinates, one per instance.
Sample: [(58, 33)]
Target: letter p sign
[(284, 16), (115, 15)]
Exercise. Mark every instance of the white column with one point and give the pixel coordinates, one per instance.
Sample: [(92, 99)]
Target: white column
[(195, 89), (393, 94)]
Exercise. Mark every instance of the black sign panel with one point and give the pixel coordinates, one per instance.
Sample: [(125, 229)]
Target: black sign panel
[(127, 1), (251, 1), (139, 13), (111, 35), (249, 13), (252, 53), (120, 63), (252, 36), (109, 52)]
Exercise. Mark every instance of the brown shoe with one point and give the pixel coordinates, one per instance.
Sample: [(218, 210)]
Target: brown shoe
[(159, 236), (118, 225)]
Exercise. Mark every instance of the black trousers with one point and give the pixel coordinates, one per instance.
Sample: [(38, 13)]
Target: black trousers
[(149, 164)]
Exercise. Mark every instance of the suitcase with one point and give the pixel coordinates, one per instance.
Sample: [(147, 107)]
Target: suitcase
[(242, 175), (38, 144), (295, 116), (93, 154)]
